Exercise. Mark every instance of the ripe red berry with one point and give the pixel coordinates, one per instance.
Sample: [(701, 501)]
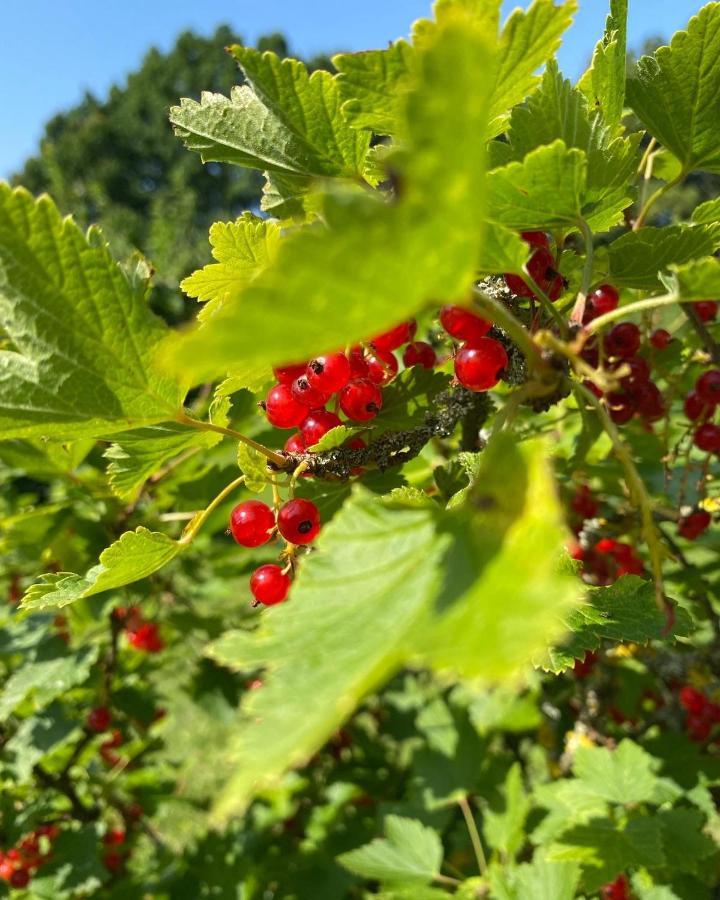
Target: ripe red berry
[(419, 353), (382, 366), (114, 838), (299, 521), (329, 373), (695, 407), (99, 719), (707, 437), (308, 394), (691, 699), (623, 340), (287, 374), (251, 523), (295, 444), (358, 366), (479, 367), (620, 408), (639, 371), (316, 424), (647, 399), (396, 337), (282, 409), (113, 861), (603, 299), (707, 310), (535, 239), (361, 400), (146, 637), (541, 268), (269, 585), (583, 503), (708, 387), (20, 878), (462, 324), (692, 526), (660, 339), (616, 890)]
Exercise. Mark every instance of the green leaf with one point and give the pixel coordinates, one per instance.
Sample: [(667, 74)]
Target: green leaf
[(545, 190), (638, 257), (135, 555), (542, 879), (530, 38), (604, 82), (75, 869), (696, 280), (253, 465), (81, 331), (526, 569), (407, 398), (410, 852), (683, 839), (503, 251), (289, 122), (47, 674), (505, 831), (336, 437), (707, 213), (242, 249), (421, 247), (371, 83), (624, 611), (605, 848), (37, 737), (675, 92), (140, 454), (559, 111), (626, 775)]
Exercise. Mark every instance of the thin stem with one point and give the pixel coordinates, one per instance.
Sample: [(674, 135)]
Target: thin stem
[(639, 306), (635, 484), (474, 835), (709, 342), (199, 520), (660, 192), (545, 301), (274, 457), (446, 879), (303, 467), (578, 312)]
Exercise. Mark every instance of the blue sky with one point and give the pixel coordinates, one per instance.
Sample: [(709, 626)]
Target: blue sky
[(54, 50)]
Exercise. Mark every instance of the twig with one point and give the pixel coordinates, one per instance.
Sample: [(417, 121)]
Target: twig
[(271, 455), (474, 834)]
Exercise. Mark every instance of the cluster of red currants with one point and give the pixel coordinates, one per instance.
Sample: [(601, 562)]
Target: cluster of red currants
[(700, 407), (703, 714), (480, 360), (355, 379), (541, 267), (18, 864), (116, 852), (253, 523), (619, 350), (141, 634)]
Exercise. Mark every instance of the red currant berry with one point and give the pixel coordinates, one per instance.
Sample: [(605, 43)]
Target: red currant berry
[(308, 394), (616, 890), (287, 374), (583, 503), (660, 339), (707, 438), (358, 366), (329, 373), (316, 424), (419, 353), (693, 525), (692, 700), (251, 523), (603, 299), (620, 408), (146, 637), (382, 366), (282, 409), (113, 861), (555, 288), (99, 719), (299, 521), (541, 268), (623, 340), (114, 838), (269, 585), (396, 337), (536, 239), (295, 444), (20, 878), (708, 387), (707, 310), (695, 407), (479, 367), (647, 399), (361, 400), (462, 324), (639, 371)]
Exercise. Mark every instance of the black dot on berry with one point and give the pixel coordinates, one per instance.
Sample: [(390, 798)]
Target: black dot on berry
[(305, 526), (317, 367), (373, 408), (550, 273)]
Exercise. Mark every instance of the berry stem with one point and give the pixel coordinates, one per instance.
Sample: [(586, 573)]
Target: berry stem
[(637, 489), (546, 303), (623, 312), (709, 342), (578, 312), (274, 457), (303, 467), (474, 834), (197, 522), (660, 192)]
